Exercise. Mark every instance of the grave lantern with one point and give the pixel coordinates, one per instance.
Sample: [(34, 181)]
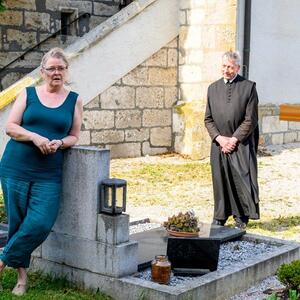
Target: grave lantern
[(113, 196)]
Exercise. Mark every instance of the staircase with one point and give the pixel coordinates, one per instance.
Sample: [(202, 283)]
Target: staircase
[(108, 52)]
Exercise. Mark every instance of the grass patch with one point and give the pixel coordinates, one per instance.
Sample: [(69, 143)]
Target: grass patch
[(45, 287), (277, 225), (187, 184), (283, 227), (2, 209), (159, 183), (156, 174)]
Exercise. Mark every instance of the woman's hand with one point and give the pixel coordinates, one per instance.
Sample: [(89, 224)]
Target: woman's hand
[(42, 143), (54, 145)]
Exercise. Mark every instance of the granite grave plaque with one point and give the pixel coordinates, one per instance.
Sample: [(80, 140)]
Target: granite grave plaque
[(190, 256)]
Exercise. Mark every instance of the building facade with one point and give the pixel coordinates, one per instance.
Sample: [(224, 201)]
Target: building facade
[(150, 99), (30, 28)]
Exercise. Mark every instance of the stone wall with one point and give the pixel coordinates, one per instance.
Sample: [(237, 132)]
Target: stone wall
[(274, 131), (26, 23), (207, 29), (134, 116)]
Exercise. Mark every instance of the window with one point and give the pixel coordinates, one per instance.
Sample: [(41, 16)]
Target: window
[(65, 21), (67, 16)]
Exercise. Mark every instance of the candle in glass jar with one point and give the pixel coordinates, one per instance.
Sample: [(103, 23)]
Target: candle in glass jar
[(161, 269)]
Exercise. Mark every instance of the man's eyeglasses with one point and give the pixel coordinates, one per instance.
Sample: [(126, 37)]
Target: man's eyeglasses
[(53, 69)]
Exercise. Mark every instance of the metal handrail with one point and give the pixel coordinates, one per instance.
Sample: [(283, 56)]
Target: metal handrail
[(124, 3), (46, 39)]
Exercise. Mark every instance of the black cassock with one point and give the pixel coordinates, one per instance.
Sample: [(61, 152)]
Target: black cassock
[(232, 110)]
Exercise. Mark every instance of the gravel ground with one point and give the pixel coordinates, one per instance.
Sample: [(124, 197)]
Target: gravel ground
[(278, 177), (257, 292), (230, 253)]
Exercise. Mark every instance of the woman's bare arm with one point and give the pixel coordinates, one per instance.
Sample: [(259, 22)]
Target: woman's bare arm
[(17, 132)]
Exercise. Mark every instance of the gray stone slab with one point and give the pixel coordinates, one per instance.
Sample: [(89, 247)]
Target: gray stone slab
[(113, 229), (224, 233), (154, 242), (112, 260), (84, 168)]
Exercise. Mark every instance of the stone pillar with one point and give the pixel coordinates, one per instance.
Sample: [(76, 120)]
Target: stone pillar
[(207, 29), (83, 239)]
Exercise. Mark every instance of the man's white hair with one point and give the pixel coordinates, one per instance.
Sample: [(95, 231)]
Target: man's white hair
[(233, 55)]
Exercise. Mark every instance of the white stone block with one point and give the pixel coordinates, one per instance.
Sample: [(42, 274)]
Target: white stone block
[(148, 150), (277, 139), (294, 125), (117, 97), (178, 123), (273, 124), (290, 137), (113, 229), (125, 150), (161, 137), (196, 16), (190, 74), (112, 260)]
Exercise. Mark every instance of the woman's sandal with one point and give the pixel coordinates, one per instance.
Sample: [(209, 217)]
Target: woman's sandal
[(19, 289)]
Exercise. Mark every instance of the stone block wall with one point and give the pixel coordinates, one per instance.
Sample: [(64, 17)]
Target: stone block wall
[(207, 29), (134, 116), (274, 131), (27, 23)]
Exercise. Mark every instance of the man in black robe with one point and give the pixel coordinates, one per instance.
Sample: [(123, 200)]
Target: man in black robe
[(231, 120)]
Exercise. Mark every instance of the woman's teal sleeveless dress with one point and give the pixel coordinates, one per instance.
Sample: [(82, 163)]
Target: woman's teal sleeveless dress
[(31, 181)]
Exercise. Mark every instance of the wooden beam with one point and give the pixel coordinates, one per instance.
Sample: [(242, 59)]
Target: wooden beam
[(289, 112)]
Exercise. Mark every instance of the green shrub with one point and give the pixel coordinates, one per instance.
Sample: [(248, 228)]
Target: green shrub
[(289, 274), (272, 297), (2, 5), (293, 295)]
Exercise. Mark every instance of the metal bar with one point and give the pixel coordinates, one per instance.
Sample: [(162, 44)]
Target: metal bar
[(247, 33)]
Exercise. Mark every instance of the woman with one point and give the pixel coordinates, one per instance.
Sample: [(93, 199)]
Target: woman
[(43, 121)]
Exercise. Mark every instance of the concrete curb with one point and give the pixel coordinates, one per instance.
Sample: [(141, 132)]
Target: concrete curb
[(217, 285)]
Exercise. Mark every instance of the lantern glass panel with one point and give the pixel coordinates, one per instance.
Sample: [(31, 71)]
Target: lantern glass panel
[(108, 197), (119, 197)]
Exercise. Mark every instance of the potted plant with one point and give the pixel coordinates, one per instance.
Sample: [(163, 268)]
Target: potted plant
[(183, 224)]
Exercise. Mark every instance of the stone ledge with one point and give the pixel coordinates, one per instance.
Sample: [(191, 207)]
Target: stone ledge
[(92, 256), (216, 285)]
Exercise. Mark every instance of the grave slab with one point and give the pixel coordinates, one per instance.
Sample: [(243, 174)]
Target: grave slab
[(154, 242), (217, 285)]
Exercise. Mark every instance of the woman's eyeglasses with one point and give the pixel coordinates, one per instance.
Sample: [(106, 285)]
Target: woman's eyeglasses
[(53, 69)]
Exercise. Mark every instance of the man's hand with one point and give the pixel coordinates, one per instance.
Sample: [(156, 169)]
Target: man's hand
[(228, 144), (233, 141)]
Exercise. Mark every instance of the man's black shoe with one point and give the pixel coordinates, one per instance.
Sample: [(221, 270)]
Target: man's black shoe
[(241, 223), (218, 222)]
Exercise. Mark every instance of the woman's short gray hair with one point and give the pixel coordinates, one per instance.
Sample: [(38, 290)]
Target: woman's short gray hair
[(233, 55), (57, 53)]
